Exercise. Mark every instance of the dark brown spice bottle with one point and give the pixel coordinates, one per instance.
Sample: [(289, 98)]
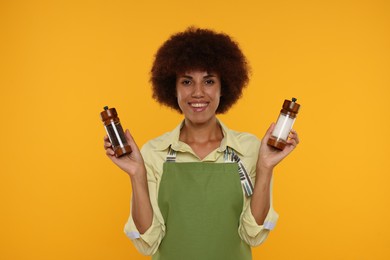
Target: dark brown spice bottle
[(115, 131), (284, 124)]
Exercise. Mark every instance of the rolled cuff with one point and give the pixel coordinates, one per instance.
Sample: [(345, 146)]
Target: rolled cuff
[(148, 242), (252, 233)]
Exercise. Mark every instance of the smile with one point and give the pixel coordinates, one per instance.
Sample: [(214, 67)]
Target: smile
[(197, 105)]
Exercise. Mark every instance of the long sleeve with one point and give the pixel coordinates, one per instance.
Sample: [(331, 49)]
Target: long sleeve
[(148, 242), (249, 231), (252, 233)]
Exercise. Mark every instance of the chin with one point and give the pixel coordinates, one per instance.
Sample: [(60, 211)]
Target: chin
[(199, 119)]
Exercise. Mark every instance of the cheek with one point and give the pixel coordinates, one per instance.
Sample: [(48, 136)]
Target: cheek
[(218, 100), (218, 93), (180, 99), (218, 96), (179, 96)]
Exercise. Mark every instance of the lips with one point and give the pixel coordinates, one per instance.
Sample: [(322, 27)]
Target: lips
[(198, 105)]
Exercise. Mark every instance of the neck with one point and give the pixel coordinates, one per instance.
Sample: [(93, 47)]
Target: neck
[(201, 133)]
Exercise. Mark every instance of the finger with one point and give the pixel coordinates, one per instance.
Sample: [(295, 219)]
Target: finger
[(107, 145), (292, 142), (269, 132), (130, 141), (297, 137), (287, 150), (270, 129), (294, 135), (110, 152)]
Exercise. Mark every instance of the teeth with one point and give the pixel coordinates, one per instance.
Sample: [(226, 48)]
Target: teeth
[(198, 104)]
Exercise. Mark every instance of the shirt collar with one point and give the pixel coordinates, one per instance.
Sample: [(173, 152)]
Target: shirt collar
[(172, 138), (229, 139)]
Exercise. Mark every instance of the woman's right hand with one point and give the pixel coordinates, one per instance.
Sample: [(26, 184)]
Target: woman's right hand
[(133, 163)]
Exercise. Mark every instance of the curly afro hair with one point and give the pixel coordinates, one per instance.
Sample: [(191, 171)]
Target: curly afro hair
[(199, 49)]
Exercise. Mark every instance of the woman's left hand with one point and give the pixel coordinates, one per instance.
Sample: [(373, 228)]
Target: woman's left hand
[(269, 157)]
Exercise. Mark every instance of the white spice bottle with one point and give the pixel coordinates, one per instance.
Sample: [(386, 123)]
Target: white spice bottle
[(284, 124)]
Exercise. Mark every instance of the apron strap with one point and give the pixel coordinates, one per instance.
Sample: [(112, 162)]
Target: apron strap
[(171, 155), (230, 157), (246, 182)]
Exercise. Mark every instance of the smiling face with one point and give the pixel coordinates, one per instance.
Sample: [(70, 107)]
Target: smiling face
[(198, 94)]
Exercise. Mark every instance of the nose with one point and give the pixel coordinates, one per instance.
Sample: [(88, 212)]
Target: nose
[(198, 91)]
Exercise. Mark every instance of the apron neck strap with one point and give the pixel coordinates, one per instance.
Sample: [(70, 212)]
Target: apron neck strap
[(229, 156), (171, 155), (246, 182)]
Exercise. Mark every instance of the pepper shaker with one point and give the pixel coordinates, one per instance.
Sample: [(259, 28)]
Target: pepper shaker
[(115, 131)]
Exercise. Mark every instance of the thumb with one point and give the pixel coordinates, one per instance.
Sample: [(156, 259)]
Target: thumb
[(130, 141), (269, 132)]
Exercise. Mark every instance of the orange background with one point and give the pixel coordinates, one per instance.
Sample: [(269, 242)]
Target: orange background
[(62, 61)]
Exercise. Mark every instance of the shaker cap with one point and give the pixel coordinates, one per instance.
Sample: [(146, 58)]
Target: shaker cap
[(108, 113), (291, 106)]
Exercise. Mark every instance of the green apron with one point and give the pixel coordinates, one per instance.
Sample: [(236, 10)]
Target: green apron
[(201, 204)]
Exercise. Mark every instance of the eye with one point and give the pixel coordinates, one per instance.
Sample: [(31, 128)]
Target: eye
[(209, 82), (186, 82)]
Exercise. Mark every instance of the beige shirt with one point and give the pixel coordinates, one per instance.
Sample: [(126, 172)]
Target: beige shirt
[(154, 153)]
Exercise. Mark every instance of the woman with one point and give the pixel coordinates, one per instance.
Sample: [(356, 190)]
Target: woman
[(201, 191)]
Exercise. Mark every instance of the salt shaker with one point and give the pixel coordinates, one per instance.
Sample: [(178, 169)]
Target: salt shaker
[(284, 124), (115, 131)]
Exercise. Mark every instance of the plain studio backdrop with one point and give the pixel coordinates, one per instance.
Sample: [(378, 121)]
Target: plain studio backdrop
[(61, 62)]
